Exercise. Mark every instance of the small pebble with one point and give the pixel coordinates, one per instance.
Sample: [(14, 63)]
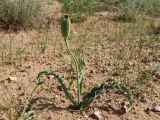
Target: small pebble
[(143, 98), (14, 79), (156, 109), (97, 115)]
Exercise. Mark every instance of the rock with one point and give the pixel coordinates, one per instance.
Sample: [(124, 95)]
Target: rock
[(124, 107), (56, 96), (10, 79), (131, 63), (86, 116), (143, 98), (156, 108), (97, 115)]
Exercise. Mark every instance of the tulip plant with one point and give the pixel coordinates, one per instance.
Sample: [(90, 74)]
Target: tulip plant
[(81, 102)]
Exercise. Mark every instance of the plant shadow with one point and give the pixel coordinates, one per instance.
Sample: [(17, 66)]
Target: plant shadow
[(72, 109)]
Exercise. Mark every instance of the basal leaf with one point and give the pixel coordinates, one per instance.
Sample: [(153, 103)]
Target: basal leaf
[(61, 81), (33, 101), (81, 64), (96, 91), (80, 81), (27, 116)]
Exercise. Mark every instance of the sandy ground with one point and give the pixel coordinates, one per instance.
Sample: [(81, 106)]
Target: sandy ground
[(22, 59)]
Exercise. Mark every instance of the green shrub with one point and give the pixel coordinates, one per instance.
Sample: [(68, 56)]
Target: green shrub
[(18, 13), (79, 6), (79, 9), (127, 11), (111, 4), (154, 9), (151, 7)]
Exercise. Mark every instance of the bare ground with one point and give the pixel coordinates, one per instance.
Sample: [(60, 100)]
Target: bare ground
[(107, 51)]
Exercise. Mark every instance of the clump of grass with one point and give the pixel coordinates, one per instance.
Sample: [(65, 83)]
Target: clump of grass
[(128, 10), (154, 9), (79, 8), (111, 4), (18, 13)]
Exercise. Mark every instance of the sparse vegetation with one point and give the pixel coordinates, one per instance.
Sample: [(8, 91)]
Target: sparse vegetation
[(79, 8), (124, 55), (18, 13), (80, 102), (129, 10)]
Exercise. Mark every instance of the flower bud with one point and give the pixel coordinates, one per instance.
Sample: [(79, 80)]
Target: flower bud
[(65, 26)]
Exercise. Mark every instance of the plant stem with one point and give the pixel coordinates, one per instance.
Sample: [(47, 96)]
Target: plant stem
[(33, 90), (29, 98), (77, 70)]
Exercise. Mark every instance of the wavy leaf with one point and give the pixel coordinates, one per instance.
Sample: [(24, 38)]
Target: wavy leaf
[(80, 81), (33, 101), (96, 91), (27, 116), (61, 81)]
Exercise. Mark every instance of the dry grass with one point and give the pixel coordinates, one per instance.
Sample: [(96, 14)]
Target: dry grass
[(16, 14), (123, 52)]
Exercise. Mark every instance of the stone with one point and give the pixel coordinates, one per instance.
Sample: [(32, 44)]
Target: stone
[(156, 108), (97, 115), (14, 79), (143, 98)]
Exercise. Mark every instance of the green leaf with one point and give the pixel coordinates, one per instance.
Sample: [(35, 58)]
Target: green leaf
[(81, 64), (33, 101), (61, 81), (80, 60), (70, 81), (27, 116), (96, 91), (80, 81)]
